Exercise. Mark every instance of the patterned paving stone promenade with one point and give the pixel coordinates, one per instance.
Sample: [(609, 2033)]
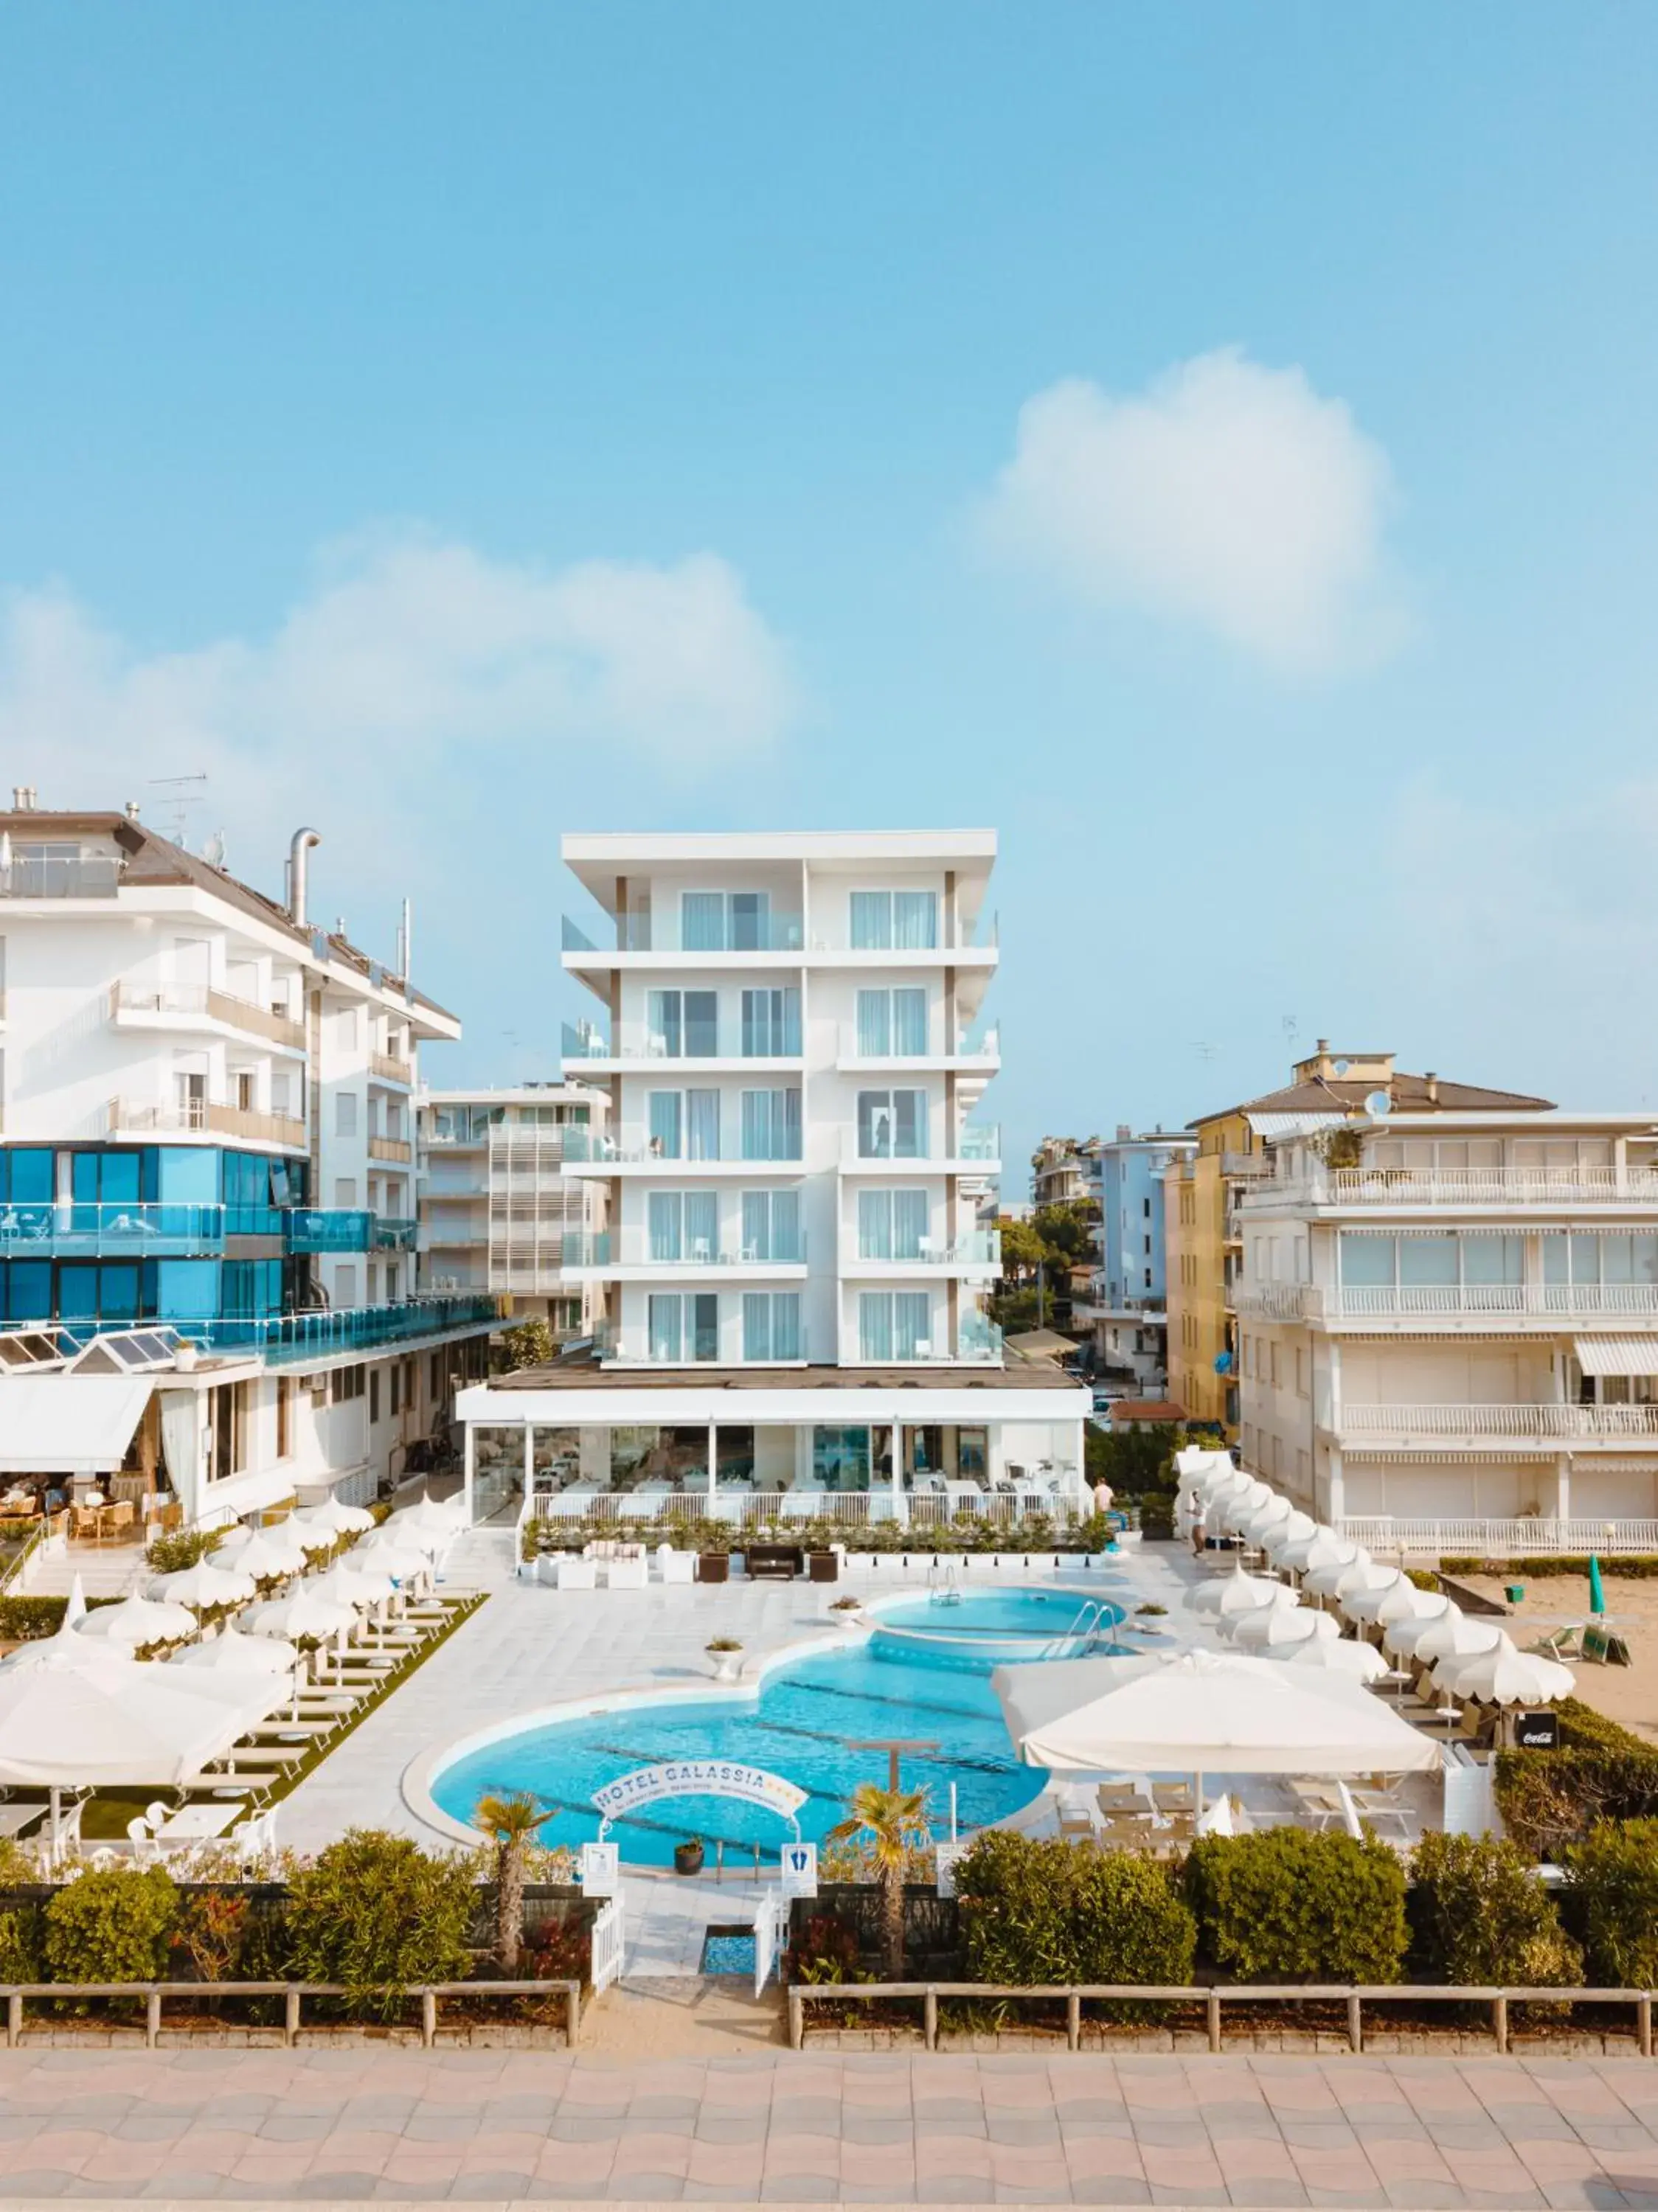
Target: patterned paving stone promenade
[(772, 2127)]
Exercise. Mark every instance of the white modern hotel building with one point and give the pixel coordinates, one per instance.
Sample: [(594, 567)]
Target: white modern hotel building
[(791, 1283)]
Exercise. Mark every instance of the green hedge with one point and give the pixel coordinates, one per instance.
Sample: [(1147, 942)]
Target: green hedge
[(375, 1913), (115, 1926), (25, 1619), (1043, 1912), (1613, 1877), (1479, 1913), (1550, 1800), (1636, 1566), (1029, 1537), (1288, 1905)]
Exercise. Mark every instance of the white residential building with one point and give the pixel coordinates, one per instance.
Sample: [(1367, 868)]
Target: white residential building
[(793, 1045), (496, 1201), (208, 1130), (1452, 1316)]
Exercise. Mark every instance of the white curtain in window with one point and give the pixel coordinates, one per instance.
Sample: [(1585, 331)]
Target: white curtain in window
[(910, 1023), (756, 1325), (911, 1324), (701, 1113), (665, 1331), (872, 921), (909, 1223), (874, 1225), (875, 1327), (874, 1024), (702, 922), (702, 1225), (785, 1325), (665, 1112), (915, 921), (664, 1215)]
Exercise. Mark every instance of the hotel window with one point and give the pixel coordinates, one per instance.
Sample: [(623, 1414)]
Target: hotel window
[(894, 1325), (1616, 1261), (771, 1125), (684, 1024), (685, 1125), (891, 1125), (1430, 1274), (892, 1225), (892, 1024), (684, 1327), (682, 1225), (345, 1112), (894, 922), (771, 1225), (374, 1396), (284, 1416), (770, 1325), (770, 1024), (231, 1403), (725, 921)]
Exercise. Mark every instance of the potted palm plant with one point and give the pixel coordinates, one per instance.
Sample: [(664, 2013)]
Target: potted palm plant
[(510, 1824), (895, 1823)]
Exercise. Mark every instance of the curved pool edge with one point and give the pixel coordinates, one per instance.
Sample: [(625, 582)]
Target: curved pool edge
[(848, 1631)]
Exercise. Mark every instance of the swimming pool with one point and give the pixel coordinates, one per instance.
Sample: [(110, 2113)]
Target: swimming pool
[(809, 1713), (982, 1629)]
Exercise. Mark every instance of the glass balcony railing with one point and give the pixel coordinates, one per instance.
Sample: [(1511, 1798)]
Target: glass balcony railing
[(741, 932), (288, 1337), (978, 1340), (633, 1147), (395, 1233), (979, 1141), (633, 1248), (68, 1229), (308, 1229), (636, 1041), (60, 875)]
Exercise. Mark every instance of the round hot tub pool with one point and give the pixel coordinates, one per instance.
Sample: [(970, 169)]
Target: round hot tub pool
[(981, 1629)]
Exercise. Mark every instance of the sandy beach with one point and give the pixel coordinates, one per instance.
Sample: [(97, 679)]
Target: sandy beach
[(1629, 1694)]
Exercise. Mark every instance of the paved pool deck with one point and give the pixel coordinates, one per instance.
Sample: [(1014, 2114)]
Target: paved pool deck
[(408, 2126)]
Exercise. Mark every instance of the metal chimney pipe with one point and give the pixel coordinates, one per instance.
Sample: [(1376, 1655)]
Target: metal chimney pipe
[(303, 841), (405, 941)]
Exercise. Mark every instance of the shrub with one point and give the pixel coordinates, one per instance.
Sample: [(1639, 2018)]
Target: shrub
[(169, 1555), (212, 1929), (375, 1913), (20, 1946), (1157, 1519), (112, 1927), (1613, 1874), (1551, 1799), (1047, 1911), (826, 1950), (1423, 1577), (1288, 1905), (529, 1345), (1636, 1566), (1479, 1913)]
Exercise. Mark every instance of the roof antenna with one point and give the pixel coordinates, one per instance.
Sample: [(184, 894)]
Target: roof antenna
[(183, 798)]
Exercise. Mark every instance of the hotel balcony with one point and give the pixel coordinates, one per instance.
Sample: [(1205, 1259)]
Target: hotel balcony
[(198, 1010), (291, 1338), (978, 1054), (978, 1152), (755, 937), (60, 876), (633, 1151), (632, 1046), (1474, 1190), (396, 1149), (68, 1231), (1540, 1427), (627, 1257), (977, 1254), (1529, 1308), (201, 1117), (386, 1068)]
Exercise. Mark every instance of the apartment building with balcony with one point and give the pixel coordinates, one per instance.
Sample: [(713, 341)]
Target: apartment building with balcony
[(790, 1030), (1126, 1309), (498, 1201), (1454, 1314), (206, 1130)]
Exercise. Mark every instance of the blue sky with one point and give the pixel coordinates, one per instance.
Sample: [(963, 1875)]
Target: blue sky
[(1213, 444)]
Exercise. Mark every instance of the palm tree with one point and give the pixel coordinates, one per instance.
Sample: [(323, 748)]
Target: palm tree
[(510, 1824), (895, 1821)]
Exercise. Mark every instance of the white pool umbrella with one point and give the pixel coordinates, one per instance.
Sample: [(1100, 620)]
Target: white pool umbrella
[(64, 1725), (65, 1649), (230, 1652), (1322, 1548), (1455, 1636), (1364, 1603), (359, 1590), (391, 1555), (136, 1620), (267, 1554), (1283, 1601), (1273, 1627), (1399, 1636), (1202, 1713), (331, 1520), (203, 1585), (1505, 1677), (1237, 1508), (1260, 1528), (300, 1616), (1404, 1602), (1233, 1593), (1193, 1462), (1358, 1662), (1299, 1528)]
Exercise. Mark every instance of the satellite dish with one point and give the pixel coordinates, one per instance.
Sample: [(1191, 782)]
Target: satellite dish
[(213, 850), (1379, 1105), (1342, 1066)]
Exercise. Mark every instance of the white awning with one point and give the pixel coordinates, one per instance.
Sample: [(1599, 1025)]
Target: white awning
[(1618, 1355), (1275, 1128), (69, 1424)]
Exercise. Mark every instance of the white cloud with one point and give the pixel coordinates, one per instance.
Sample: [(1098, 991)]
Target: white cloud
[(407, 654), (1227, 495)]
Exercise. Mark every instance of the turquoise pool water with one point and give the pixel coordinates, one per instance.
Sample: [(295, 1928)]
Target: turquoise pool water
[(803, 1725)]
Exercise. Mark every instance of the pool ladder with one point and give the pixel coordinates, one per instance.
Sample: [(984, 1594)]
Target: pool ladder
[(1080, 1638), (942, 1587)]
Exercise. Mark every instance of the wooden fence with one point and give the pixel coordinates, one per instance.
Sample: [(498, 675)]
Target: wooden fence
[(1214, 1999), (156, 1994)]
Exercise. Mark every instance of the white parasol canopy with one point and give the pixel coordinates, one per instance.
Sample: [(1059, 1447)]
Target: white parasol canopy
[(1504, 1676), (390, 1555), (203, 1585), (331, 1520), (66, 1725), (1322, 1548), (1365, 1602), (1356, 1662), (1283, 1601), (1404, 1602), (1399, 1636), (300, 1616), (361, 1590), (1235, 1592), (1338, 1577), (1281, 1628), (267, 1554), (1299, 1528), (136, 1620), (1201, 1713), (230, 1652), (1455, 1636)]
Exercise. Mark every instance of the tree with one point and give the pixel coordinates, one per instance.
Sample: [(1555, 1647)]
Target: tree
[(1022, 1249), (895, 1822), (1066, 1231), (510, 1824), (529, 1345)]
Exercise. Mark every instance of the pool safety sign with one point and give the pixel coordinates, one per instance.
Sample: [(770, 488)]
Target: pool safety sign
[(800, 1869), (698, 1777), (601, 1869)]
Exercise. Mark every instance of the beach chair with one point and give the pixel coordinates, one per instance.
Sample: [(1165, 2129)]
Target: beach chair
[(1563, 1643)]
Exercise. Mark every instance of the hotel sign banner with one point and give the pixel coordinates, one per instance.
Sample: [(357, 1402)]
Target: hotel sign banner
[(699, 1778)]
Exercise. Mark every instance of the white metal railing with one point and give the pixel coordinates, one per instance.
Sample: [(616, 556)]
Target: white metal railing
[(748, 1509), (1567, 1422), (1496, 1540), (1273, 1301), (1425, 1301), (1496, 1187), (607, 1940), (206, 1116), (771, 1923)]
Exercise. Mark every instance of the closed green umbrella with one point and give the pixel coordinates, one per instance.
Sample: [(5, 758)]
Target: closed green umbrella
[(1597, 1595)]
